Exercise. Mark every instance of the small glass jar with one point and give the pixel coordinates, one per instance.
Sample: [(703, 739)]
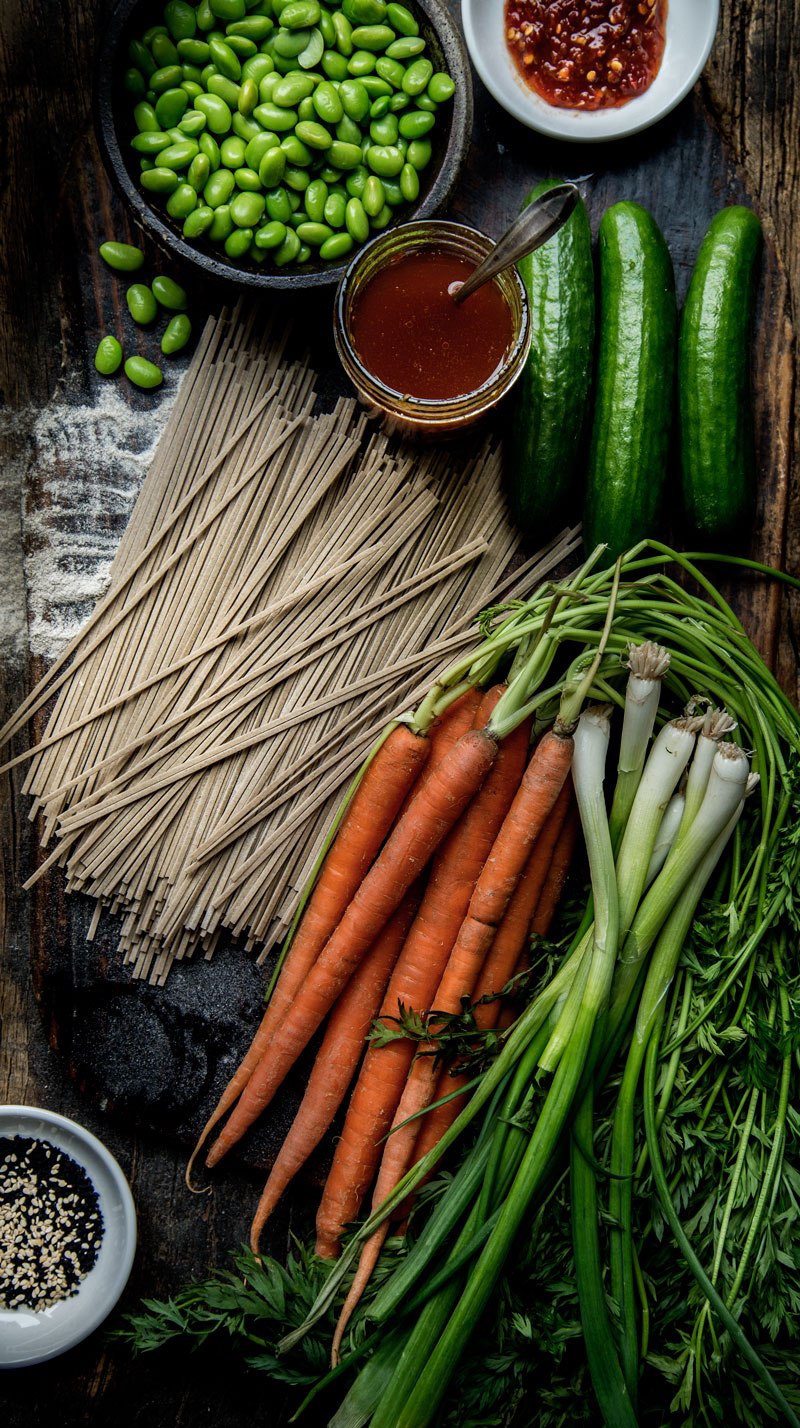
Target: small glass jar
[(420, 416)]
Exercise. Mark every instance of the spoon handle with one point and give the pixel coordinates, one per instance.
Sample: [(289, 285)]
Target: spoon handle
[(536, 223)]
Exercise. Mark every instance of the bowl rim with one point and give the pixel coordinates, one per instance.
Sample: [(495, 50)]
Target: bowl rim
[(220, 269), (35, 1117), (575, 126)]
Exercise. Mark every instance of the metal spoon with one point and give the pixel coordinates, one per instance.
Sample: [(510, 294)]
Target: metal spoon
[(536, 223)]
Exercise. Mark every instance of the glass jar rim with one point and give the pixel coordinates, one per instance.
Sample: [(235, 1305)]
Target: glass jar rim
[(440, 230)]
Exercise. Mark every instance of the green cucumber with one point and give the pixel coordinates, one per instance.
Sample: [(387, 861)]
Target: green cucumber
[(716, 423), (636, 361), (553, 391)]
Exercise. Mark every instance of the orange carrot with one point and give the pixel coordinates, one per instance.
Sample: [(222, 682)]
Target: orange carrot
[(550, 896), (336, 1059), (415, 979), (501, 963), (372, 811), (408, 850), (532, 806)]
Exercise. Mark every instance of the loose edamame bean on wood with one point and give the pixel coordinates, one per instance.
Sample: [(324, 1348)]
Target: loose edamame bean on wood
[(143, 373), (108, 357), (123, 257), (169, 293), (176, 334), (142, 305)]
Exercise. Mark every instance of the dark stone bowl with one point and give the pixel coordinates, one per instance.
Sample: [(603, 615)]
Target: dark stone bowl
[(115, 127)]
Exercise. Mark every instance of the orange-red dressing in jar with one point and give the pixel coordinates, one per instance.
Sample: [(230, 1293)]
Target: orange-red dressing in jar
[(587, 54), (410, 334)]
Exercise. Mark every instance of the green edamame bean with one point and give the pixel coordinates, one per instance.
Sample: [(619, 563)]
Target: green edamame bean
[(399, 102), (219, 188), (313, 233), (169, 77), (271, 116), (198, 222), (393, 192), (330, 174), (163, 51), (405, 48), (193, 51), (401, 19), (364, 12), (360, 63), (122, 257), (305, 109), (258, 147), (170, 107), (143, 373), (303, 253), (232, 151), (176, 334), (192, 89), (199, 170), (288, 250), (272, 168), (375, 86), (258, 68), (300, 15), (297, 152), (238, 243), (356, 182), (145, 118), (417, 77), (441, 87), (384, 131), (348, 131), (327, 29), (244, 128), (270, 236), (423, 101), (228, 10), (210, 147), (142, 305), (182, 202), (217, 112), (313, 52), (159, 180), (248, 96), (292, 88), (222, 225), (179, 155), (224, 88), (335, 65), (145, 165), (419, 153), (327, 103), (382, 219), (343, 34), (288, 44), (380, 106), (372, 196), (108, 356), (385, 160), (191, 75), (356, 220), (150, 142), (193, 124), (140, 56), (247, 180), (205, 18), (296, 179), (391, 71), (334, 210), (315, 135), (243, 48), (354, 99), (373, 37), (416, 124), (169, 293), (337, 246), (134, 82), (344, 156), (267, 86), (252, 27), (279, 205), (314, 199), (180, 19), (247, 209), (409, 183)]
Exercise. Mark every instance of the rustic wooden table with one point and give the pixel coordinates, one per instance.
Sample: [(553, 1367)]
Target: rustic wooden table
[(70, 457)]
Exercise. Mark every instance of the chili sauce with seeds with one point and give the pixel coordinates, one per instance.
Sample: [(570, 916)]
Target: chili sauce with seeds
[(586, 54), (51, 1226), (408, 332)]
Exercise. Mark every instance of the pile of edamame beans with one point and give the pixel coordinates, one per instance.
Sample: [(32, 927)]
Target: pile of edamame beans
[(284, 130)]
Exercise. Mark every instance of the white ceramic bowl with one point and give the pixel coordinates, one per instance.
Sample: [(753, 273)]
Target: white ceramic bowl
[(30, 1337), (691, 27)]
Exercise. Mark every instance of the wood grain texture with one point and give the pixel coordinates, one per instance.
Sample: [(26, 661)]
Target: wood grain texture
[(736, 137)]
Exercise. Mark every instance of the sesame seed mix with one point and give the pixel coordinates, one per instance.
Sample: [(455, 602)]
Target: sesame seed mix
[(50, 1224)]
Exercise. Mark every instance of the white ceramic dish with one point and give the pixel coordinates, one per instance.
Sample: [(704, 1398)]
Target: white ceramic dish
[(28, 1337), (691, 27)]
